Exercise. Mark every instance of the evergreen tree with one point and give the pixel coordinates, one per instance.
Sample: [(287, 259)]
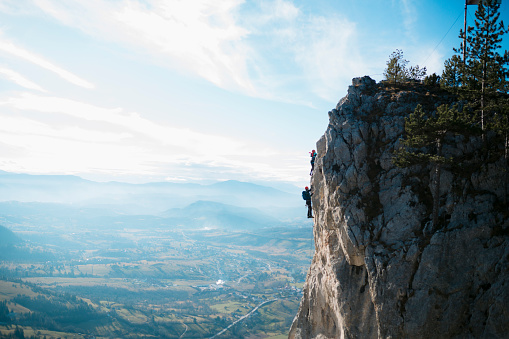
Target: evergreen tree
[(453, 73), (19, 333), (482, 79), (432, 80), (416, 73), (486, 69), (397, 70), (4, 312), (396, 67), (483, 75), (425, 138)]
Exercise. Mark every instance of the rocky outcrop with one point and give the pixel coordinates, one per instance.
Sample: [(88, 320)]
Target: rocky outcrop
[(380, 270)]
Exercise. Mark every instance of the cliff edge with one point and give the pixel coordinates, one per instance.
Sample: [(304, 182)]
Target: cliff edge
[(380, 270)]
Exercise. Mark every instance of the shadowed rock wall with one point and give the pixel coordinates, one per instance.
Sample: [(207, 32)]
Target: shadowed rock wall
[(380, 270)]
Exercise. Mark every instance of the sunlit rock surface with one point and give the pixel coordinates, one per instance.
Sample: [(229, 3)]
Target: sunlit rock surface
[(379, 270)]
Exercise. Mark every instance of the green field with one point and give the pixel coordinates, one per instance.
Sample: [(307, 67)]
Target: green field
[(163, 287)]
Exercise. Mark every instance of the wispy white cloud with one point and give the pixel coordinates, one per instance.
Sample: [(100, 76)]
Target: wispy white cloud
[(320, 52), (285, 10), (50, 154), (21, 125), (265, 51), (409, 13), (328, 55), (15, 7), (197, 143), (279, 11), (111, 139), (265, 48), (276, 51), (200, 37), (19, 79), (9, 47)]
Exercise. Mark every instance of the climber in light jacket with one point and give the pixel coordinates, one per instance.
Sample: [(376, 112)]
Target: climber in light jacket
[(313, 157)]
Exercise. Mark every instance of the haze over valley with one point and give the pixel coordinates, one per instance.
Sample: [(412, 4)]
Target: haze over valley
[(154, 259)]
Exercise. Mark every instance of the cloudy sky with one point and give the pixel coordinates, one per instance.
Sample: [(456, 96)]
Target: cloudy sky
[(195, 90)]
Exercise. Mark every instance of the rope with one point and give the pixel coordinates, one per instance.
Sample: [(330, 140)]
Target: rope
[(312, 244), (442, 39)]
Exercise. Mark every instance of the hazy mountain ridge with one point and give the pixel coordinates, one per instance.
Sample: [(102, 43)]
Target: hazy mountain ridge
[(201, 214), (149, 198), (7, 237), (76, 203)]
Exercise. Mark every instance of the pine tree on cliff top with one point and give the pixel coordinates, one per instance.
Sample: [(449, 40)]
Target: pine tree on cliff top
[(452, 76), (397, 70), (426, 134), (482, 79), (483, 75), (486, 68)]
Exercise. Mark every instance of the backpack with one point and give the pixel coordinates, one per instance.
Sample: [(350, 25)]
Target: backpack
[(306, 195)]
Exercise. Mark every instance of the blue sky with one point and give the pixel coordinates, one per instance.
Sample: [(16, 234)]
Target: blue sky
[(195, 90)]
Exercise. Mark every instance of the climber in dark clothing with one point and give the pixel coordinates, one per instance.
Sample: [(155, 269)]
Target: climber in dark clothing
[(313, 157), (306, 195)]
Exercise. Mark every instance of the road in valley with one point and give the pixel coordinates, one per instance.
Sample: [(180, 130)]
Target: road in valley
[(243, 317), (182, 335)]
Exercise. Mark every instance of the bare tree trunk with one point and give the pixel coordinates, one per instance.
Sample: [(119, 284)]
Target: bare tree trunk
[(465, 36), (436, 187), (482, 101), (506, 167), (436, 195)]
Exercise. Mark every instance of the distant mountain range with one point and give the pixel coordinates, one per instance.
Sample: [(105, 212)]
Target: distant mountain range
[(8, 238), (198, 215), (150, 198), (70, 199)]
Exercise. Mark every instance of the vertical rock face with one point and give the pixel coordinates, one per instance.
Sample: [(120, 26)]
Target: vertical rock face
[(380, 270)]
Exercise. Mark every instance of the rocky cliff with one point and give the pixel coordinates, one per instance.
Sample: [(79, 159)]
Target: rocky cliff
[(380, 270)]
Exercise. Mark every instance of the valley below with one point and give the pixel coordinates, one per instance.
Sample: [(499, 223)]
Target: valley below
[(207, 270)]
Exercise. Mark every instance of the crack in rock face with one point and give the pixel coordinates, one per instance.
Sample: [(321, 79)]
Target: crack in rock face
[(380, 270)]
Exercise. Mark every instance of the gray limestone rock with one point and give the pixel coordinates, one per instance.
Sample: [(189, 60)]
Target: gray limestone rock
[(380, 270)]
